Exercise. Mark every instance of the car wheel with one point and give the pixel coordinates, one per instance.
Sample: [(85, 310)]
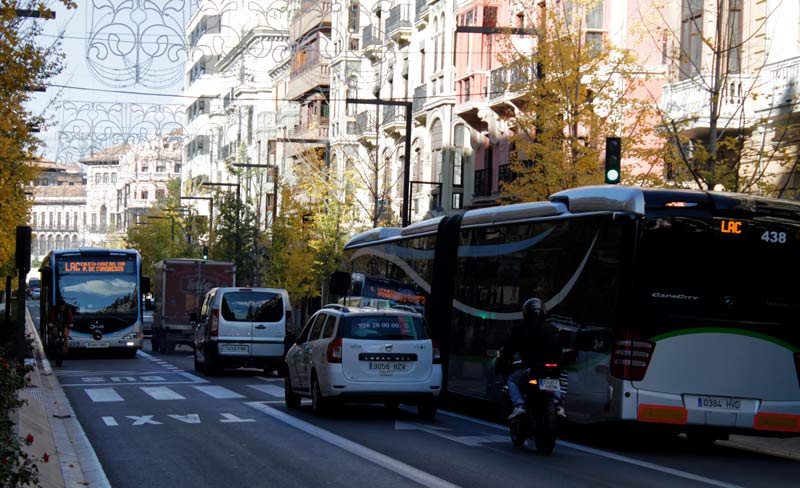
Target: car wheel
[(318, 403), (211, 366), (292, 399), (427, 409)]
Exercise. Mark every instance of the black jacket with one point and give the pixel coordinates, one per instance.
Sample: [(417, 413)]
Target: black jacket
[(536, 345)]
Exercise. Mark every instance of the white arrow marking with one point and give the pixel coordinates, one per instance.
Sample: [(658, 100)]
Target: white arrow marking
[(144, 419), (191, 418), (110, 421), (229, 417), (467, 440)]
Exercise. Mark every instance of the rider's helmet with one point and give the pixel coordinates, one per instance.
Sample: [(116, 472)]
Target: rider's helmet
[(534, 309)]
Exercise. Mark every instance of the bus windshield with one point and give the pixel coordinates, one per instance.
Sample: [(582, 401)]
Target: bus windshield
[(99, 286), (719, 269)]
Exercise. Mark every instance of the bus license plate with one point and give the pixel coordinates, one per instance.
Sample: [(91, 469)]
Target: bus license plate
[(387, 369), (96, 345), (715, 403), (548, 384), (234, 348)]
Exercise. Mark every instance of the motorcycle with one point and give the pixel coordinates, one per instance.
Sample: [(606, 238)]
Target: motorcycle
[(540, 421)]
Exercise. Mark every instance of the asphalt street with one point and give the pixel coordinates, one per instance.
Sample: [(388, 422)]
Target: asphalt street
[(153, 422)]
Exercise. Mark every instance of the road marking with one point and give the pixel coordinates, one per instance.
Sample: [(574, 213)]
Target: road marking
[(273, 390), (162, 393), (270, 380), (142, 420), (609, 455), (110, 421), (231, 418), (191, 418), (375, 457), (217, 391), (467, 440), (103, 395), (190, 376)]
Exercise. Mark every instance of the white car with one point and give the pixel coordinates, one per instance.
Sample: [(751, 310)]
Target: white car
[(364, 354)]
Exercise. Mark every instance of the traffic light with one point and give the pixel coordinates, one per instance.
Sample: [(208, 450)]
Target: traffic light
[(613, 151), (205, 252)]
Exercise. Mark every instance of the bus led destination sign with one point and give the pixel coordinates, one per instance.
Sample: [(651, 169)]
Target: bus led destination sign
[(100, 266), (730, 226)]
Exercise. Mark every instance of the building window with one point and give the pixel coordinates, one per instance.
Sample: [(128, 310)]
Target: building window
[(177, 167), (94, 221), (145, 168), (105, 178), (691, 38), (161, 168), (98, 178), (58, 220), (144, 195), (353, 17), (734, 36), (113, 177)]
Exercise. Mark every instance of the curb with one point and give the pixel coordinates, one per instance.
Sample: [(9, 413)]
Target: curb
[(79, 464), (768, 446)]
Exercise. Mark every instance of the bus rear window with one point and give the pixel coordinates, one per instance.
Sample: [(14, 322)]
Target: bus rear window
[(384, 327)]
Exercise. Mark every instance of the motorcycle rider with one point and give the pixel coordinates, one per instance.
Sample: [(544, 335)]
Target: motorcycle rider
[(536, 342)]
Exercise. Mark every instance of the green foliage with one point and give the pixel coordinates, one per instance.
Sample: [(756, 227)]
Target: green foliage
[(236, 237), (17, 468)]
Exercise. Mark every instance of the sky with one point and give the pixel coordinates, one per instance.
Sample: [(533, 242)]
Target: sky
[(122, 78)]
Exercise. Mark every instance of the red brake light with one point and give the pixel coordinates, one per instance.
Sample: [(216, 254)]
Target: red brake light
[(437, 353), (335, 351), (550, 365), (631, 356), (213, 323)]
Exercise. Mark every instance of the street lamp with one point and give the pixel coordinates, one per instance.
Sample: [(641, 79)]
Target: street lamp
[(238, 217)]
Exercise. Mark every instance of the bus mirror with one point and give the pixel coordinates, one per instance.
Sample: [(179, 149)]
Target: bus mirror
[(145, 280), (340, 283)]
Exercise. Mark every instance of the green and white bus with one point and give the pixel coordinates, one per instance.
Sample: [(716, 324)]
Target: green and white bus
[(677, 307)]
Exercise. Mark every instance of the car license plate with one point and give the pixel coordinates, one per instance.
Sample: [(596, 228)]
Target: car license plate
[(96, 345), (548, 384), (715, 403), (235, 348), (387, 369)]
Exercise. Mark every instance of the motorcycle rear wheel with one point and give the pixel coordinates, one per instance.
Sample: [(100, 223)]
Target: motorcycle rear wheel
[(544, 432)]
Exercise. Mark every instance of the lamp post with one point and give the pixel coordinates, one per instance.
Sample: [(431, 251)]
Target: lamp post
[(238, 212)]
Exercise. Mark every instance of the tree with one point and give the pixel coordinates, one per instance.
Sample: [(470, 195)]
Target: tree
[(24, 64), (578, 88), (718, 59), (236, 237)]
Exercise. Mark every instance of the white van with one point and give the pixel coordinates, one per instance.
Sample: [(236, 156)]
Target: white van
[(240, 327)]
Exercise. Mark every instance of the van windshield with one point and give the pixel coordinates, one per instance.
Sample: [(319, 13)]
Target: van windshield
[(384, 327), (252, 306)]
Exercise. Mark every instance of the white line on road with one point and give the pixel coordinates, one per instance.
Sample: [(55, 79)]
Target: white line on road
[(110, 421), (217, 391), (190, 376), (161, 393), (273, 390), (610, 455), (404, 470), (103, 395)]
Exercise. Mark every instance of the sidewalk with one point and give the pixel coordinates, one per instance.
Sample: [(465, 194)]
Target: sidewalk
[(49, 418)]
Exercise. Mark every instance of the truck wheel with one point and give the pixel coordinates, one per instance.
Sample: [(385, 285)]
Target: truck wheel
[(155, 341)]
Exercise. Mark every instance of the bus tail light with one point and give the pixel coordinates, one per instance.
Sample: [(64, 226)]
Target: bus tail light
[(437, 353), (335, 351), (631, 356), (661, 414), (213, 323), (778, 422)]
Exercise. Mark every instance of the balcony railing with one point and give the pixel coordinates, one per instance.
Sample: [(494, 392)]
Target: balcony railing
[(785, 80), (690, 100), (369, 37), (504, 174), (421, 10), (393, 115), (420, 97), (497, 83), (483, 183), (398, 24)]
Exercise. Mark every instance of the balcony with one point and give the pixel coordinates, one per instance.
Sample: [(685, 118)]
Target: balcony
[(365, 125), (421, 14), (783, 88), (393, 121), (418, 104), (308, 77), (689, 102), (398, 24), (371, 42), (483, 183), (313, 14)]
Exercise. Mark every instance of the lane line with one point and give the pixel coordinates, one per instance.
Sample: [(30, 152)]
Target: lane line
[(139, 383), (610, 455), (217, 391), (273, 390), (375, 457), (103, 395), (162, 393)]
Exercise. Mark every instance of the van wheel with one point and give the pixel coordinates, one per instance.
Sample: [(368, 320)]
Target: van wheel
[(211, 366), (292, 399), (318, 403)]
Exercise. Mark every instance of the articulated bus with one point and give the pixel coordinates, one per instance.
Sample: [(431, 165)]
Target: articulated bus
[(103, 288), (676, 307)]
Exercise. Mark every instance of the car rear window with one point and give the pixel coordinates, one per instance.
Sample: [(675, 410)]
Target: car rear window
[(384, 327), (252, 306)]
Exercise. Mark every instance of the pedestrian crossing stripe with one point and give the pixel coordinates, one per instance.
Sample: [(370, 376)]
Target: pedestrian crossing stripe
[(166, 393)]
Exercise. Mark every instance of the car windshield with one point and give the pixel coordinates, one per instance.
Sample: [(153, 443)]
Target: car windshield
[(384, 327)]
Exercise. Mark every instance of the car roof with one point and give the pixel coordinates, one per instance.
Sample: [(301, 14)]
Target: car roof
[(366, 310)]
